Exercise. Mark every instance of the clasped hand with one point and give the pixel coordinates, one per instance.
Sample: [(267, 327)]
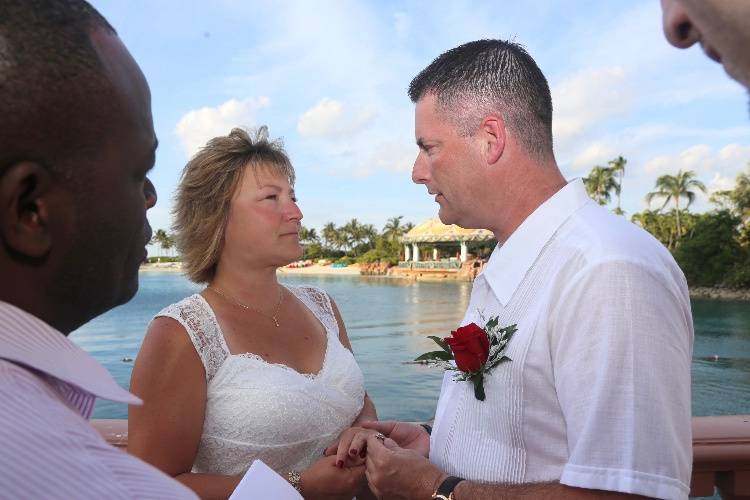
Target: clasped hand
[(396, 467)]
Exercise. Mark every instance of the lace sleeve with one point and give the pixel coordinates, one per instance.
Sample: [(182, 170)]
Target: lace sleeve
[(200, 324), (318, 301)]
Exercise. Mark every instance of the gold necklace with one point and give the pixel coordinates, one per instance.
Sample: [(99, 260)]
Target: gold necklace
[(251, 308)]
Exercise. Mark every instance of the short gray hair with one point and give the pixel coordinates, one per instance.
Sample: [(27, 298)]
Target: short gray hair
[(491, 76)]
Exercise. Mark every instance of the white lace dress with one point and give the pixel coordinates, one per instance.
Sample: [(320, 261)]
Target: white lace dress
[(256, 409)]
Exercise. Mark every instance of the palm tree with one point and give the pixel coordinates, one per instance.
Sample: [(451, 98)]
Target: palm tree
[(600, 183), (331, 236), (675, 187), (737, 199), (741, 193), (168, 244), (308, 236), (617, 167), (393, 228), (160, 238)]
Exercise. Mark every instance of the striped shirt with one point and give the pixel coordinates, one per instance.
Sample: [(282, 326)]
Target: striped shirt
[(48, 386)]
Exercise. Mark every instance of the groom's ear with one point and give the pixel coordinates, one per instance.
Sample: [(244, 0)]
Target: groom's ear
[(493, 137)]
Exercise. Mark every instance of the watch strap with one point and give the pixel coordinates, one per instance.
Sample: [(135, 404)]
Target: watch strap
[(445, 490)]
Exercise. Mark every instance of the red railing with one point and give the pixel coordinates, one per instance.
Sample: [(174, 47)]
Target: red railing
[(721, 453)]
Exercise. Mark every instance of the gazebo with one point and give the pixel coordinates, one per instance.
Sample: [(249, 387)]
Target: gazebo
[(434, 232)]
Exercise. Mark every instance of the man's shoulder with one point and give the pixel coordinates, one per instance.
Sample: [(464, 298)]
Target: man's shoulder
[(602, 235), (32, 409), (52, 451)]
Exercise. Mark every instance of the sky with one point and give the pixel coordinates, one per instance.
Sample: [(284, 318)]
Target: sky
[(330, 79)]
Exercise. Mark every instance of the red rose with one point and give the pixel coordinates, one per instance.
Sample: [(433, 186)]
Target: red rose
[(470, 347)]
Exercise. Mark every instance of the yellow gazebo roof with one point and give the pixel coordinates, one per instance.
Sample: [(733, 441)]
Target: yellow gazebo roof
[(434, 231)]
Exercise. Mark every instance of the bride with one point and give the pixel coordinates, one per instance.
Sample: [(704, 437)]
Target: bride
[(248, 368)]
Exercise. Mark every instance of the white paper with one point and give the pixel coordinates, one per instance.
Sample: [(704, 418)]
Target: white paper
[(261, 482)]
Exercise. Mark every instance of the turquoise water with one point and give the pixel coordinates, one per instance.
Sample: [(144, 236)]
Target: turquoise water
[(388, 321)]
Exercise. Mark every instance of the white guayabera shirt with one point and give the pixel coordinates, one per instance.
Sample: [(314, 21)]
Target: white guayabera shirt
[(598, 392)]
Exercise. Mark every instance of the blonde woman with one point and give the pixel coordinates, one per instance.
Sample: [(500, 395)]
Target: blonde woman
[(248, 368)]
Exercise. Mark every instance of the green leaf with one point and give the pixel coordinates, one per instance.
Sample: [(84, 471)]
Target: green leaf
[(442, 344), (434, 356), (498, 361), (492, 323), (479, 387)]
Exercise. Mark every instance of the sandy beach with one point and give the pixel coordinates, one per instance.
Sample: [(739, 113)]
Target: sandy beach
[(318, 269), (314, 269)]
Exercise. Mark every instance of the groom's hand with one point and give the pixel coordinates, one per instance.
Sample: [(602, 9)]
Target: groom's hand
[(398, 473), (409, 436)]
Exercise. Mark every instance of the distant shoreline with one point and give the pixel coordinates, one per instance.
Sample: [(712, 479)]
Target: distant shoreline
[(714, 293), (315, 269), (719, 293)]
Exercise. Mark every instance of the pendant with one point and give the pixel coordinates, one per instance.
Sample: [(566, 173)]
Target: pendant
[(275, 321)]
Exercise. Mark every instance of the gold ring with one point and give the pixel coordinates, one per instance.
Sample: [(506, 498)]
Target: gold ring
[(380, 436)]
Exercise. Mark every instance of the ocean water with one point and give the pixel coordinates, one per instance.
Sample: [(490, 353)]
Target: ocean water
[(388, 322)]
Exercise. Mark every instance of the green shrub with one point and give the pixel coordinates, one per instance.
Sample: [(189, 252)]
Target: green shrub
[(152, 260), (378, 255), (708, 253), (346, 260)]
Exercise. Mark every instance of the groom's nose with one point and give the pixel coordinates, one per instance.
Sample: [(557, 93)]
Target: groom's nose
[(420, 171)]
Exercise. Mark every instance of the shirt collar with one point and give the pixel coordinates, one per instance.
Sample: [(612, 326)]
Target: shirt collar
[(510, 261), (29, 341)]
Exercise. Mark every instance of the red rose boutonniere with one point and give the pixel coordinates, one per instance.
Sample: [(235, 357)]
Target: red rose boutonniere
[(475, 351)]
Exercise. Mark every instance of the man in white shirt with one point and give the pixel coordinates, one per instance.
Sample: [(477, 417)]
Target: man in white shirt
[(76, 142), (596, 400)]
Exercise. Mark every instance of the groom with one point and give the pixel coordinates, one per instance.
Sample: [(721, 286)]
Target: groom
[(596, 400)]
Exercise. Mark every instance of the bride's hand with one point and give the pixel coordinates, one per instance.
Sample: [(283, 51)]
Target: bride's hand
[(406, 435), (350, 447), (324, 481)]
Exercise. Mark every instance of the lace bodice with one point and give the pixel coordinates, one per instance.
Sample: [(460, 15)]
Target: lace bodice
[(256, 409)]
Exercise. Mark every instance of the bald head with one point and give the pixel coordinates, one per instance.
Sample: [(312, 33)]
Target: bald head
[(51, 81), (76, 143)]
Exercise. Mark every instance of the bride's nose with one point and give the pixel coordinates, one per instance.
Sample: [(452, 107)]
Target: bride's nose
[(294, 213)]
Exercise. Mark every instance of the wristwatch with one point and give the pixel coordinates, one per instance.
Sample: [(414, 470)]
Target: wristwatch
[(445, 490)]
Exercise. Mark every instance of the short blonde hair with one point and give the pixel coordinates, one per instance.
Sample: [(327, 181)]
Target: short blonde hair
[(208, 183)]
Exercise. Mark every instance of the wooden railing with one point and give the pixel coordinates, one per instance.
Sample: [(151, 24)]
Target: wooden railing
[(721, 453)]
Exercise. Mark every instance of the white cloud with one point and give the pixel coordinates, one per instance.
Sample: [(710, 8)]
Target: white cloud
[(390, 156), (598, 153), (702, 159), (330, 119), (588, 98), (717, 169), (196, 127)]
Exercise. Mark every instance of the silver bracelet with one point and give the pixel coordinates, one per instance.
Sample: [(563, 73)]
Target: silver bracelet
[(294, 477)]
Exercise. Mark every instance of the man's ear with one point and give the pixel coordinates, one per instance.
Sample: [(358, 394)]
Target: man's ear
[(493, 136), (25, 191)]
